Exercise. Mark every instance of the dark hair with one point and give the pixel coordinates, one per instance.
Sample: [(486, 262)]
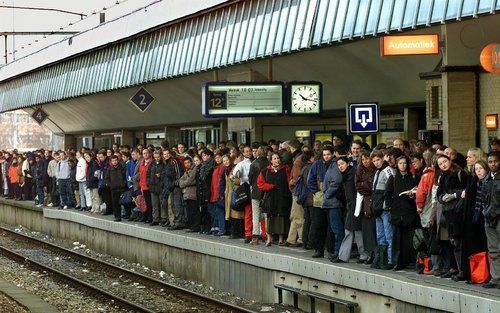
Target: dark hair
[(494, 154), (294, 144), (380, 146), (306, 156), (416, 155), (207, 152), (126, 154), (327, 143), (357, 142), (343, 158), (377, 154), (113, 157), (394, 152), (365, 153), (340, 150), (328, 148)]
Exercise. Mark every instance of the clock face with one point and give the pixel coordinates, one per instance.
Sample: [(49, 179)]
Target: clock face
[(305, 98)]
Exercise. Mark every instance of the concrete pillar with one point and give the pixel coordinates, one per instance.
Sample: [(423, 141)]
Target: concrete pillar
[(69, 142), (411, 123), (459, 110), (127, 137)]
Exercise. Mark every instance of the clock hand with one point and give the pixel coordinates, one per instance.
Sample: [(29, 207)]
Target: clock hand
[(303, 98)]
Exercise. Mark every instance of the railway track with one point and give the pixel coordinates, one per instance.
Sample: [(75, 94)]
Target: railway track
[(30, 250)]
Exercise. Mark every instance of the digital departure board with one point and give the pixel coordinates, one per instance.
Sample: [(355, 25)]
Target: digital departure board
[(242, 99)]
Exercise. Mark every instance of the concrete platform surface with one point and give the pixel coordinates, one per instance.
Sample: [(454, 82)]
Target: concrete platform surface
[(30, 301), (407, 286)]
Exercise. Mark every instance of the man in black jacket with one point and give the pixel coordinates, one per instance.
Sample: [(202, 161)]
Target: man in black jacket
[(491, 213), (173, 172), (116, 182), (256, 167), (204, 181)]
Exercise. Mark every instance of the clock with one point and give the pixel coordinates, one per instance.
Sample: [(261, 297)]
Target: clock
[(305, 98)]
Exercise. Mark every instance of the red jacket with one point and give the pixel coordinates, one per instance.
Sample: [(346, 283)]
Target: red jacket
[(13, 175), (214, 187), (425, 186), (143, 172)]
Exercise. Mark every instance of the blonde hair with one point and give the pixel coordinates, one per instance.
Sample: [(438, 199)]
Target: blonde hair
[(478, 154)]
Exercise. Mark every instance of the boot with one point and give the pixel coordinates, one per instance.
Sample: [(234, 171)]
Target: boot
[(376, 258), (255, 240)]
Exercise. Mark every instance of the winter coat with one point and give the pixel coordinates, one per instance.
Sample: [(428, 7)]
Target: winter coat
[(81, 169), (74, 183), (216, 192), (379, 186), (364, 185), (154, 182), (63, 170), (333, 193), (40, 176), (423, 198), (204, 181), (129, 173), (352, 222), (229, 185), (115, 177), (451, 183), (305, 173), (144, 166), (255, 168), (92, 175), (173, 172), (51, 168), (274, 182), (296, 169), (403, 208), (188, 184), (491, 209), (13, 174), (317, 175), (103, 167)]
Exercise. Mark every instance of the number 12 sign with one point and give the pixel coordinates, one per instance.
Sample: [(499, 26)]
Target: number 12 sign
[(142, 99)]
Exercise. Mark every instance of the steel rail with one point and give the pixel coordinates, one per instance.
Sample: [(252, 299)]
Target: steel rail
[(120, 301), (215, 302)]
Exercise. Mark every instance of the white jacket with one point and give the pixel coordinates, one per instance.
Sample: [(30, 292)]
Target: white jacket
[(81, 170)]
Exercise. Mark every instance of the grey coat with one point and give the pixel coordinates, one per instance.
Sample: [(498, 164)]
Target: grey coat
[(188, 184), (332, 186)]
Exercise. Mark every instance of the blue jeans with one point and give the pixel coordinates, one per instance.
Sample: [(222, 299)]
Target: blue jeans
[(384, 233), (212, 207), (81, 190), (66, 191), (220, 216), (336, 223)]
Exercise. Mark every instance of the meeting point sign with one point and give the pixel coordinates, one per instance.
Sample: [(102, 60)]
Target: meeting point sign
[(409, 45)]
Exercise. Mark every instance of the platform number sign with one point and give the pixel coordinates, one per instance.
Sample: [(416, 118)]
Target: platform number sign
[(39, 115), (217, 100), (142, 99), (363, 118)]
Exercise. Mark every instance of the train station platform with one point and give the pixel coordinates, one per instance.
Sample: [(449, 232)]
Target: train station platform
[(253, 271)]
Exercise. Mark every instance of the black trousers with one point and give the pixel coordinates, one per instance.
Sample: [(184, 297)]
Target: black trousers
[(194, 217), (115, 202), (318, 228), (206, 220), (148, 216), (402, 245), (307, 225), (106, 198)]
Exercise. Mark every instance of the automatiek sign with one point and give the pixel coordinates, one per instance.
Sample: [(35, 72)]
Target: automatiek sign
[(245, 99), (409, 45)]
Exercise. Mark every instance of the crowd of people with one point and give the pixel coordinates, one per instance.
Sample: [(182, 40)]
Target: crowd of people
[(390, 207)]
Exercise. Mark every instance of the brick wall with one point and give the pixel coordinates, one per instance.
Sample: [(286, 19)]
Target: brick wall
[(489, 88)]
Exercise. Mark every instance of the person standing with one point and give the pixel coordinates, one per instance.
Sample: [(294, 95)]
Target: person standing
[(399, 198), (188, 185), (364, 185), (63, 174), (203, 187), (81, 169), (115, 180), (173, 173), (241, 171), (491, 212), (155, 182), (258, 225), (352, 229), (274, 181), (54, 188), (144, 165), (297, 212)]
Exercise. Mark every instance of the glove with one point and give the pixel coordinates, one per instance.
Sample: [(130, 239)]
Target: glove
[(449, 197)]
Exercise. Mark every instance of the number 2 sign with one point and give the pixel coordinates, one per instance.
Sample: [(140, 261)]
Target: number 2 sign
[(142, 99)]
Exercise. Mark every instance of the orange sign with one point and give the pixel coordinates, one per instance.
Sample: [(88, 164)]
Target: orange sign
[(490, 58), (492, 121), (409, 45)]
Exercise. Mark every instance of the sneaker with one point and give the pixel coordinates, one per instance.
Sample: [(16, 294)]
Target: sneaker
[(50, 204), (39, 205), (65, 207)]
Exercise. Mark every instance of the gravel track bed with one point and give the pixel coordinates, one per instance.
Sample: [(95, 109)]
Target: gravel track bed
[(125, 286), (11, 306), (64, 297)]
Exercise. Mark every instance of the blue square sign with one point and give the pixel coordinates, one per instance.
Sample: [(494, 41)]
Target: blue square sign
[(363, 118)]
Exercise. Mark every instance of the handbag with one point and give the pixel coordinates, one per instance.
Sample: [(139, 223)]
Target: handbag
[(318, 199), (479, 268), (418, 239), (240, 197), (359, 204), (126, 197), (140, 201), (262, 203)]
